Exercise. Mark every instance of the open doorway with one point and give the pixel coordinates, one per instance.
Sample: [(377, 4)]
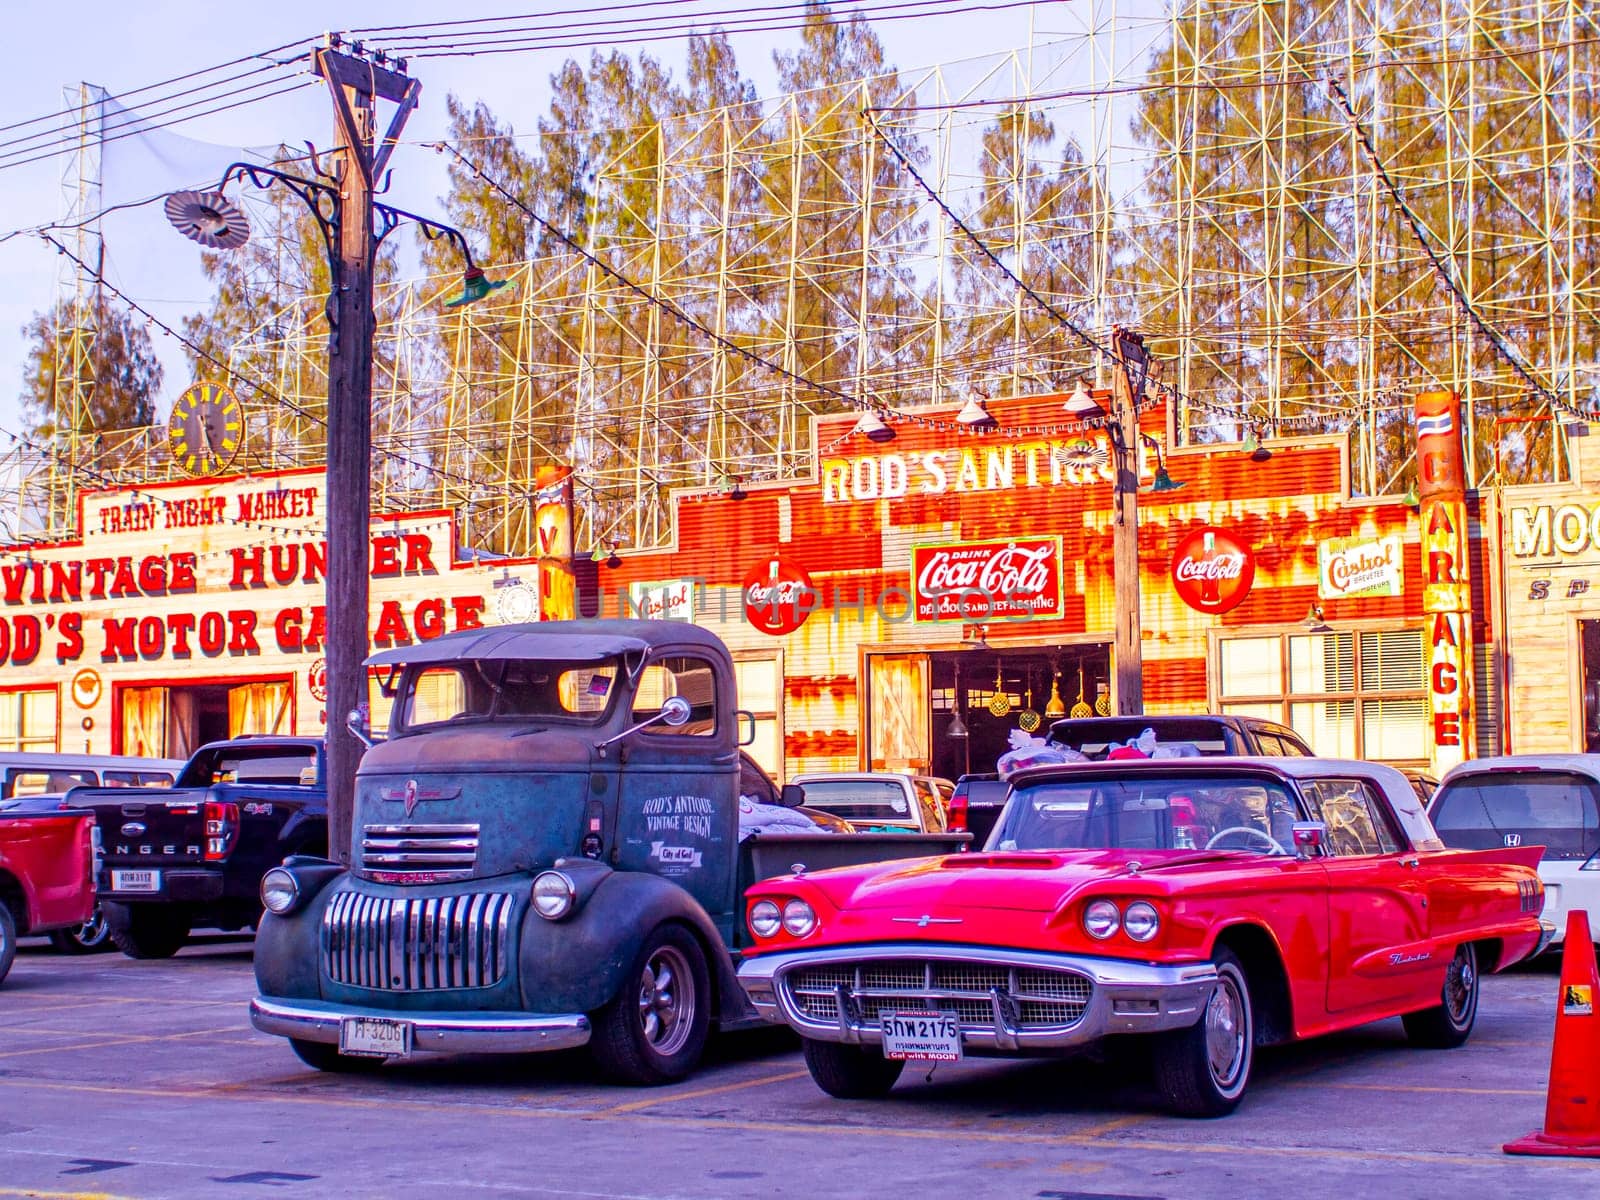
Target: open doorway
[(173, 721), (1589, 639)]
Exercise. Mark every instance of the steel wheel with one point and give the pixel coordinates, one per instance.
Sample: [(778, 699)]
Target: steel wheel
[(666, 1000), (1460, 993), (1225, 1034)]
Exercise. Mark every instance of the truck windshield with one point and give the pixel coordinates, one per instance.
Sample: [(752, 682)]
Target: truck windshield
[(509, 690), (1151, 812), (861, 801)]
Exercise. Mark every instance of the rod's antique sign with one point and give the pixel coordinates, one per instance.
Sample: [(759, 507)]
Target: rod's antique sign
[(1019, 579)]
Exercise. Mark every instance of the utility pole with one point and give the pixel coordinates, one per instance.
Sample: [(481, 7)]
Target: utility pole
[(1127, 650), (355, 84)]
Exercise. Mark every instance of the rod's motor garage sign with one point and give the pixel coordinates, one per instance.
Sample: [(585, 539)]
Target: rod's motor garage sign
[(1017, 579)]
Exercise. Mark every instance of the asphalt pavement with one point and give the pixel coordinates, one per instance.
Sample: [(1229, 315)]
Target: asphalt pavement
[(145, 1079)]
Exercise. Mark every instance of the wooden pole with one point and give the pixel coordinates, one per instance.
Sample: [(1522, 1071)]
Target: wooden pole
[(1127, 651), (354, 84)]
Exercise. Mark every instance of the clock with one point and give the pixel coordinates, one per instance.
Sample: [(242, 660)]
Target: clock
[(206, 430)]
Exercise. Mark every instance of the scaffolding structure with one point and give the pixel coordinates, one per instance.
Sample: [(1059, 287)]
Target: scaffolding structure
[(1185, 171)]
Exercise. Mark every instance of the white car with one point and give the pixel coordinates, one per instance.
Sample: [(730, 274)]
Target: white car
[(880, 799), (1549, 800)]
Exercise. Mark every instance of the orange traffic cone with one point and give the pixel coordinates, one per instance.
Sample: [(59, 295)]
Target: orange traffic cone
[(1572, 1113)]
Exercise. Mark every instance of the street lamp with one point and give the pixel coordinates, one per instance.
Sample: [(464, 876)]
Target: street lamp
[(353, 226)]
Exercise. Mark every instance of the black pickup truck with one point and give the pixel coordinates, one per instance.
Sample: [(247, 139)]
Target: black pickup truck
[(192, 856)]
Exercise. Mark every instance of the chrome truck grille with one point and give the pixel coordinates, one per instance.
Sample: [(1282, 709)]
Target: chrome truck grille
[(430, 853), (1031, 997), (404, 945)]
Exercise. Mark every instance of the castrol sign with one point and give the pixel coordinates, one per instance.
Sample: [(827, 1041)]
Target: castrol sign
[(778, 596), (1212, 570), (1018, 579)]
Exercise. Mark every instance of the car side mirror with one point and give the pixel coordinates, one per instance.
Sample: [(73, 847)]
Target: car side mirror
[(792, 795), (747, 727), (674, 711), (1309, 837)]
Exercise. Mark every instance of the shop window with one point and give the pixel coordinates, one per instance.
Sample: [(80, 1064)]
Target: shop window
[(28, 720), (1348, 695), (758, 683)]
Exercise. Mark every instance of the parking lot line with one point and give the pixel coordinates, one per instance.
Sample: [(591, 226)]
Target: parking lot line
[(1412, 1087), (698, 1093), (36, 1194)]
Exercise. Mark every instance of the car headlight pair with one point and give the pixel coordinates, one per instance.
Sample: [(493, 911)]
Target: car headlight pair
[(796, 918), (1102, 918)]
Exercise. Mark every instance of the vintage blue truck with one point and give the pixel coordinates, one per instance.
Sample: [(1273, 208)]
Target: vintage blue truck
[(546, 853)]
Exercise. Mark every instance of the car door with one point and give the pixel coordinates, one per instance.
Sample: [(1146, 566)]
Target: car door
[(1378, 934)]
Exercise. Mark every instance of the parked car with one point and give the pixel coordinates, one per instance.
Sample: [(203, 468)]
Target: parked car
[(192, 856), (546, 853), (1210, 733), (976, 803), (45, 864), (33, 783), (1214, 905), (1546, 800), (881, 800)]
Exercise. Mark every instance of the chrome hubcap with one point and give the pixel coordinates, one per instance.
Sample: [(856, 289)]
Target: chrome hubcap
[(1460, 985), (1225, 1046), (666, 1000)]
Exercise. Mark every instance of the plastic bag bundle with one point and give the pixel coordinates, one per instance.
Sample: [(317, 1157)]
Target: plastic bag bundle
[(1029, 751)]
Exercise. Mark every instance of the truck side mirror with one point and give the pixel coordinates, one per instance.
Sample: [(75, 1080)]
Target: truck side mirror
[(1309, 837), (674, 711), (747, 727), (359, 722), (792, 795)]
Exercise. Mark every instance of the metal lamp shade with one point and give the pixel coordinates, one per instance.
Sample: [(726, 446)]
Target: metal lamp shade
[(874, 428), (1165, 482), (475, 285), (209, 218), (974, 416)]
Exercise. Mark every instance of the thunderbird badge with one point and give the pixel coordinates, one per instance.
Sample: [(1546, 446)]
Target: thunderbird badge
[(411, 795)]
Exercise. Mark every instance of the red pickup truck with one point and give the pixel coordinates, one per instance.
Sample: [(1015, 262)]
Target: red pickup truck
[(46, 875)]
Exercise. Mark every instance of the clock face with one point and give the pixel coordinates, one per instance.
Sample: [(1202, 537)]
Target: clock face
[(206, 430)]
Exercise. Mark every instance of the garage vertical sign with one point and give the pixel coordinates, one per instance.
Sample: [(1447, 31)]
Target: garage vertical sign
[(1446, 581)]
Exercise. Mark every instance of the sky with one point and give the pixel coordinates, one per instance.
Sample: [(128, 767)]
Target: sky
[(124, 44)]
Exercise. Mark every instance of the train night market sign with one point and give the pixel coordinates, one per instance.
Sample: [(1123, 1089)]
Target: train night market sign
[(221, 570)]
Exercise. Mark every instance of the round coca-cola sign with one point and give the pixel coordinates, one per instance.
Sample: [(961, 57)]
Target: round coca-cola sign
[(778, 596), (1212, 570)]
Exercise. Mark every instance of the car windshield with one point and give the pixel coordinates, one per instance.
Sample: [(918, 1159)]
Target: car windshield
[(1553, 809), (508, 690), (265, 763), (1094, 738), (1150, 812), (861, 801)]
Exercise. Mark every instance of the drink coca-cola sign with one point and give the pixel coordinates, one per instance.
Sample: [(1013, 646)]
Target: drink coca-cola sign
[(778, 596), (1212, 570), (1017, 579)]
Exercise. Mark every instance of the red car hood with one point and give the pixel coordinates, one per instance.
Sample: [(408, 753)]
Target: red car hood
[(1016, 881)]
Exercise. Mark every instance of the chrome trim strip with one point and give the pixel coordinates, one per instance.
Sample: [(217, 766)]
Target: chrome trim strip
[(433, 1032)]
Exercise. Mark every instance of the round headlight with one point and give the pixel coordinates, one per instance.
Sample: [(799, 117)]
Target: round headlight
[(764, 918), (279, 891), (1141, 921), (553, 895), (1101, 919), (799, 918)]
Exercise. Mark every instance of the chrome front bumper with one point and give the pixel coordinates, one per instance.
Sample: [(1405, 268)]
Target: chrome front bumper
[(435, 1032), (1127, 997)]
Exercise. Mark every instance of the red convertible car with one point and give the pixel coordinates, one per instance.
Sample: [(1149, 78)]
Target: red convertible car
[(1217, 905)]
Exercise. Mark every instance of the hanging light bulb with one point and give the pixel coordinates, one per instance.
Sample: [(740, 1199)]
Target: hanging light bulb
[(874, 428), (1254, 447), (957, 727), (976, 418), (1081, 404), (1055, 706)]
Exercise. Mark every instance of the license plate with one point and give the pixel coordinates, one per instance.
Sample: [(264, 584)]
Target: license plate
[(935, 1036), (374, 1037), (136, 881)]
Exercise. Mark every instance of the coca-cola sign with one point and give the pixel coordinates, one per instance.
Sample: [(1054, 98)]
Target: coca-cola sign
[(778, 596), (1017, 579), (1212, 570)]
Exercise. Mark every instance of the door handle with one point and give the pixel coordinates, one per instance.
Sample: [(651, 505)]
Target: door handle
[(1411, 862)]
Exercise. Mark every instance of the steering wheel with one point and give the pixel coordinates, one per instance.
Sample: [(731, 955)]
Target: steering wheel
[(1248, 831)]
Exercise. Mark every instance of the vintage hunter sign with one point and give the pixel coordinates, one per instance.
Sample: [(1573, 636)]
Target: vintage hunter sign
[(778, 596), (1018, 579), (1360, 567), (1446, 587), (1212, 570)]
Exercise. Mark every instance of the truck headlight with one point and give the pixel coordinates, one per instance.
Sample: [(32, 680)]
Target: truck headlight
[(1100, 919), (553, 895), (280, 891), (764, 918), (1141, 921), (799, 918)]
